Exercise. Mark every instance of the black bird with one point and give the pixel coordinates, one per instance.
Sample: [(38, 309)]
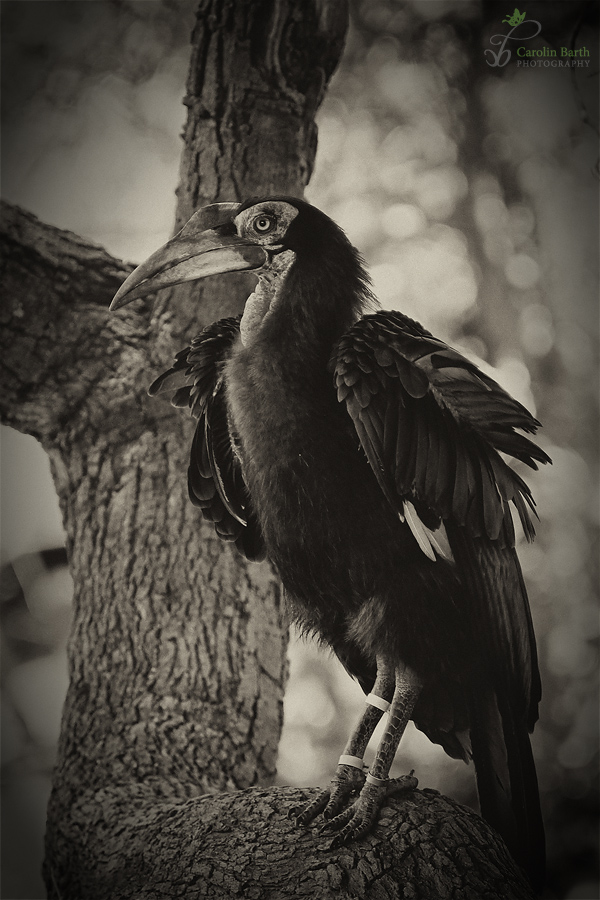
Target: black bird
[(363, 457)]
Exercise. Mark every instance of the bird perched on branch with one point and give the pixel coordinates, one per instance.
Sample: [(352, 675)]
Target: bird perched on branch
[(363, 457)]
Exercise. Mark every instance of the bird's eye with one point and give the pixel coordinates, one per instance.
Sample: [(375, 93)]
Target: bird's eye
[(264, 224)]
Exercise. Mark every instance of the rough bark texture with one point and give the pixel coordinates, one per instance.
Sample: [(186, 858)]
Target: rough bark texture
[(177, 655), (258, 73), (246, 845)]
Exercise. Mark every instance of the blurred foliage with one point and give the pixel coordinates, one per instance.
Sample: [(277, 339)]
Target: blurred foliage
[(471, 193), (92, 112)]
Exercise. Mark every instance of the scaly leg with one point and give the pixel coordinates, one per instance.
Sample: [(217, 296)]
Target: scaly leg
[(349, 776), (360, 817)]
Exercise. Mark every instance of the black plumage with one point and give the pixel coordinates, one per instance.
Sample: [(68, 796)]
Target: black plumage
[(362, 456)]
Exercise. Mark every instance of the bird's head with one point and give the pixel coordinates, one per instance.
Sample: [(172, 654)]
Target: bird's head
[(230, 237), (286, 241)]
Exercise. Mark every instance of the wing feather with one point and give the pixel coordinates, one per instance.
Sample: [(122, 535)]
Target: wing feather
[(215, 478), (433, 427)]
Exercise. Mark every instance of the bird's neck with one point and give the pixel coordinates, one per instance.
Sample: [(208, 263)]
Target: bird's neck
[(300, 309), (280, 392), (266, 297)]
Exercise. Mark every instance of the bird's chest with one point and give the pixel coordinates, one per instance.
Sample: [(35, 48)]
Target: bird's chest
[(299, 453)]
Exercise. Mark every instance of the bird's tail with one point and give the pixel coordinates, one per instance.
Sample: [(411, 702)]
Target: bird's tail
[(506, 780)]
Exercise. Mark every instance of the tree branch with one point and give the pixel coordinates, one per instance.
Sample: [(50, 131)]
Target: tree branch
[(247, 845), (61, 349)]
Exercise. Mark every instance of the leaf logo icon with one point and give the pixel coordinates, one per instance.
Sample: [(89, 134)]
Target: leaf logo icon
[(516, 18)]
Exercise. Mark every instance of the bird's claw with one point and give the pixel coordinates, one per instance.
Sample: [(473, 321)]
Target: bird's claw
[(359, 818), (313, 809), (348, 781), (403, 783), (356, 821)]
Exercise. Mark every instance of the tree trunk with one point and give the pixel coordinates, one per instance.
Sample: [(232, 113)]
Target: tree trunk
[(177, 653)]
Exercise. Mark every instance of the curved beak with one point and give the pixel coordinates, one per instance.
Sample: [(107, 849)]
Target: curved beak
[(206, 245)]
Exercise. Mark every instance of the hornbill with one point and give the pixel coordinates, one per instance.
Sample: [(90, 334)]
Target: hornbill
[(364, 458)]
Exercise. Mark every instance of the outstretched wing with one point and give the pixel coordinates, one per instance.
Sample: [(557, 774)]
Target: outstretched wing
[(215, 479)]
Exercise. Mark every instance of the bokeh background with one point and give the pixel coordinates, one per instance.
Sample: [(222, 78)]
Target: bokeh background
[(472, 194)]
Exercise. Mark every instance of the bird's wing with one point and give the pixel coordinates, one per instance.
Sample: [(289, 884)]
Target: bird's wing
[(215, 479), (433, 427)]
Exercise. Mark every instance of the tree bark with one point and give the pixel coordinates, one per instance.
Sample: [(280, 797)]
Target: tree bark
[(177, 653)]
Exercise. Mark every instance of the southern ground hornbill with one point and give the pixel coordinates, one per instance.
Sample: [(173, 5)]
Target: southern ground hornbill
[(363, 457)]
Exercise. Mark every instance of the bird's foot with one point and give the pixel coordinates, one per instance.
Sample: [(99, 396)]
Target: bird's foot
[(359, 818), (348, 781)]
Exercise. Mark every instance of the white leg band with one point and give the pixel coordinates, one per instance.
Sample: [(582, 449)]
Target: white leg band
[(371, 779), (379, 702), (354, 761)]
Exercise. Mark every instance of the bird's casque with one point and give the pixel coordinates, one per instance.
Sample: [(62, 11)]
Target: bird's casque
[(365, 458)]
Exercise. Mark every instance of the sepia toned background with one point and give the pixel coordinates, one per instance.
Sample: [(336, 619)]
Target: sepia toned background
[(472, 194)]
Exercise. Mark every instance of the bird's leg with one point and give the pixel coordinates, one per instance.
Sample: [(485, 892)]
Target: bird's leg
[(360, 817), (349, 777)]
